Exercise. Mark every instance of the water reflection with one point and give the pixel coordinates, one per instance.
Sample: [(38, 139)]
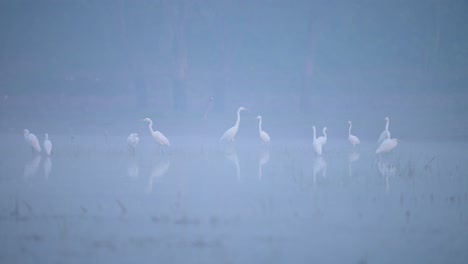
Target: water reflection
[(31, 166), (263, 159), (352, 157), (159, 170), (47, 167), (230, 153), (319, 167), (133, 170), (387, 170), (208, 107)]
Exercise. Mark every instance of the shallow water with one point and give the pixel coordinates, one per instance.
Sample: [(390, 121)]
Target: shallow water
[(92, 202)]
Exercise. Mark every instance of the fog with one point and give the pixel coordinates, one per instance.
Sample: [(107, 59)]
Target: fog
[(88, 72)]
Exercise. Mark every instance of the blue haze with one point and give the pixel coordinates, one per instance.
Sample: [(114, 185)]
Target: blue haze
[(86, 72)]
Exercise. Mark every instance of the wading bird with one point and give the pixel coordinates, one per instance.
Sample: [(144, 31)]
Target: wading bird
[(352, 138), (47, 145), (316, 143), (132, 142), (385, 134), (263, 135), (387, 145), (158, 136), (230, 134), (323, 139), (32, 140)]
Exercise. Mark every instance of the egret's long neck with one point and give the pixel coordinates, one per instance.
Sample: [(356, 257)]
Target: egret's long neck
[(315, 133), (386, 124), (260, 125), (238, 119), (325, 133), (349, 132), (150, 127)]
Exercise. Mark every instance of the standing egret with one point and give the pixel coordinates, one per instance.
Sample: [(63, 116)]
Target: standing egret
[(387, 145), (132, 142), (32, 140), (263, 135), (316, 143), (323, 139), (352, 138), (47, 145), (158, 136), (230, 134), (385, 134)]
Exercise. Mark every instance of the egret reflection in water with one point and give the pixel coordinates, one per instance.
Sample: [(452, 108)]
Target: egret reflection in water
[(47, 166), (230, 153), (133, 169), (319, 167), (263, 159), (387, 170), (352, 157), (31, 166), (159, 170)]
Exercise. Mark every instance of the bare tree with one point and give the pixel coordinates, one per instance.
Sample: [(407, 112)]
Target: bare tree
[(180, 85), (307, 87)]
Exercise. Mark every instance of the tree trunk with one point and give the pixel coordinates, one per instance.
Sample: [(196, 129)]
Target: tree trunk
[(139, 83), (307, 86), (180, 84)]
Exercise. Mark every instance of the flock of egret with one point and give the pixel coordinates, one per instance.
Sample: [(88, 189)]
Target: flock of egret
[(385, 143)]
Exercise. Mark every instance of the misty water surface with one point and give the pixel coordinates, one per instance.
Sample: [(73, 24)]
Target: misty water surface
[(93, 202)]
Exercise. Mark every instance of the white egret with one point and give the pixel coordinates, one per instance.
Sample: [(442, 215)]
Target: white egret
[(47, 145), (387, 145), (316, 143), (32, 140), (352, 138), (385, 134), (158, 136), (263, 135), (230, 134), (323, 139), (132, 141)]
